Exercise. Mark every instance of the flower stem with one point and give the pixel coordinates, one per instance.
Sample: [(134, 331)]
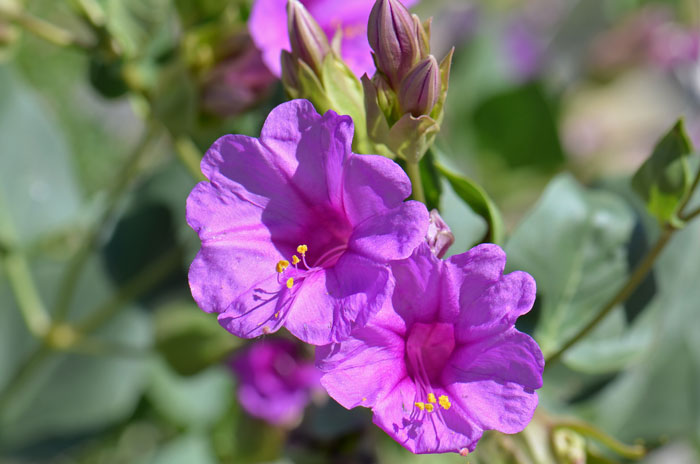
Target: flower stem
[(26, 294), (42, 29), (633, 282), (189, 155), (626, 451), (75, 267), (413, 171)]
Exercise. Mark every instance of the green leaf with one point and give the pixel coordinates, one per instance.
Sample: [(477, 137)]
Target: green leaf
[(190, 339), (142, 27), (195, 402), (520, 141), (664, 179), (574, 244), (37, 187), (185, 449), (657, 399), (473, 195)]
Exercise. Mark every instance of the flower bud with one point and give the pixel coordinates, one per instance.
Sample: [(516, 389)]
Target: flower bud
[(309, 42), (420, 89), (439, 235), (392, 34)]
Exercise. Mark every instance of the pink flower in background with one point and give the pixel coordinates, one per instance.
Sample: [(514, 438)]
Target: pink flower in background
[(297, 230), (238, 81), (275, 383), (268, 27), (446, 362)]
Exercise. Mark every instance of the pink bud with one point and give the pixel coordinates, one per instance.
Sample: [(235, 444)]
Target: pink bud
[(309, 42), (420, 89), (392, 34)]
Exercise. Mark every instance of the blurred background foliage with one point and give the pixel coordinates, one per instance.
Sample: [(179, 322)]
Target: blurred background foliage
[(105, 109)]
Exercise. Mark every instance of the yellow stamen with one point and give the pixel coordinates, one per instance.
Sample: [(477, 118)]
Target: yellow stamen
[(290, 282), (295, 260), (429, 407), (431, 398), (282, 265), (445, 402), (302, 249), (420, 405)]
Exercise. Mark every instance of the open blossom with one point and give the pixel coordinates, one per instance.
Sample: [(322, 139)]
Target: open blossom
[(268, 27), (446, 362), (274, 383), (297, 230)]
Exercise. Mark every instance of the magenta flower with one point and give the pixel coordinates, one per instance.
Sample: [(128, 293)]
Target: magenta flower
[(297, 230), (275, 383), (445, 363), (268, 27)]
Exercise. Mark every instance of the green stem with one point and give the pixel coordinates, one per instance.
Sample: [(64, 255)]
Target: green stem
[(42, 29), (135, 287), (690, 216), (413, 171), (18, 381), (75, 267), (26, 294), (626, 451), (190, 156), (633, 282)]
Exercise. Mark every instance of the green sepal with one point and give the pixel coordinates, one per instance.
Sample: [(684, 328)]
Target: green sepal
[(664, 180)]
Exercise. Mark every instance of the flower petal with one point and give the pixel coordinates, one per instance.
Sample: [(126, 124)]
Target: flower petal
[(440, 431), (373, 184), (476, 270), (330, 302), (497, 308), (423, 292), (233, 239), (361, 368), (268, 28), (494, 380), (392, 235)]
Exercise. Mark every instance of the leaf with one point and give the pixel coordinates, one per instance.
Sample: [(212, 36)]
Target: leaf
[(186, 449), (664, 179), (518, 125), (38, 192), (473, 195), (657, 398), (195, 402), (574, 244), (142, 27), (190, 339)]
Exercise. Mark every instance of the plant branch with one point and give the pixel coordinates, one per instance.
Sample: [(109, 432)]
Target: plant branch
[(75, 267), (413, 171), (626, 451), (26, 294), (42, 29)]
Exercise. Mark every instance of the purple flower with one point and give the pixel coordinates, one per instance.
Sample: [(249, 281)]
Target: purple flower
[(297, 230), (275, 383), (238, 81), (446, 362), (268, 27)]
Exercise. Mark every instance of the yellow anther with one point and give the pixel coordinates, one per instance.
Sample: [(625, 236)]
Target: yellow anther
[(277, 315), (295, 260), (429, 407), (282, 265), (445, 402), (290, 282), (364, 399), (431, 398), (302, 249), (420, 405)]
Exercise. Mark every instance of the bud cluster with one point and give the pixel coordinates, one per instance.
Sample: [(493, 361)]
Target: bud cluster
[(404, 100)]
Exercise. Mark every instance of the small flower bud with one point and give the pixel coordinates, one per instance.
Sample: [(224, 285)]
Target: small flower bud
[(439, 235), (309, 42), (420, 89), (392, 34)]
